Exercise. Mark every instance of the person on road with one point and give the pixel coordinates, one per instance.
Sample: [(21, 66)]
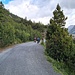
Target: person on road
[(38, 40), (35, 39)]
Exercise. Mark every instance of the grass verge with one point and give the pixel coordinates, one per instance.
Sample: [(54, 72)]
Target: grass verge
[(59, 66), (54, 63)]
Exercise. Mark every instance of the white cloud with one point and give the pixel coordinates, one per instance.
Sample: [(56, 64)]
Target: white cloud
[(44, 20), (70, 4), (22, 9), (71, 17), (41, 10)]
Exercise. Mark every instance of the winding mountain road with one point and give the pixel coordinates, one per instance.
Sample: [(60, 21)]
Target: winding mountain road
[(25, 59)]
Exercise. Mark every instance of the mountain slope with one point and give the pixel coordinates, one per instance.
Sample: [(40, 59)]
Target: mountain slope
[(14, 29), (71, 29)]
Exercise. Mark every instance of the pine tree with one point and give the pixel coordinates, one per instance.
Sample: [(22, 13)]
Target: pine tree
[(59, 42), (1, 4), (59, 18)]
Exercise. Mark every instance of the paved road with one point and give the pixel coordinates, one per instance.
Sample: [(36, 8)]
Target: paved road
[(25, 59)]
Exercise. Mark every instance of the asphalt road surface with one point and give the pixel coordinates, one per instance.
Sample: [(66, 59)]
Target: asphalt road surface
[(25, 59)]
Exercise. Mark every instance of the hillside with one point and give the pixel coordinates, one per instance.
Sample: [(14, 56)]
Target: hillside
[(14, 29), (71, 29)]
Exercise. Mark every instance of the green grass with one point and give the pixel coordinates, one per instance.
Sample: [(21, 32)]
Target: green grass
[(54, 63), (59, 66)]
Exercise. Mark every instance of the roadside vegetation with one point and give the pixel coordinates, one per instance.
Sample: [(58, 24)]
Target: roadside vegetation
[(60, 47), (14, 29)]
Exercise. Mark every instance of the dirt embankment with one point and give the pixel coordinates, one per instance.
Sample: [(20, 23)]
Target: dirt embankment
[(5, 48)]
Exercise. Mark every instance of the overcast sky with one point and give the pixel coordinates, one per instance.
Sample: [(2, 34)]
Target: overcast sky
[(41, 10)]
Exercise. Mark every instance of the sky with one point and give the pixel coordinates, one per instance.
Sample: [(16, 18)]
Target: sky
[(5, 1), (41, 10)]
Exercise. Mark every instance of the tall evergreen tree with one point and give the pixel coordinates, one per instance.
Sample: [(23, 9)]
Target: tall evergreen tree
[(59, 42), (1, 4), (59, 18)]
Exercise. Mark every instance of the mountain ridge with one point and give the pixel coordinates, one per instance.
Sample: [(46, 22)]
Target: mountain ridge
[(71, 29)]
